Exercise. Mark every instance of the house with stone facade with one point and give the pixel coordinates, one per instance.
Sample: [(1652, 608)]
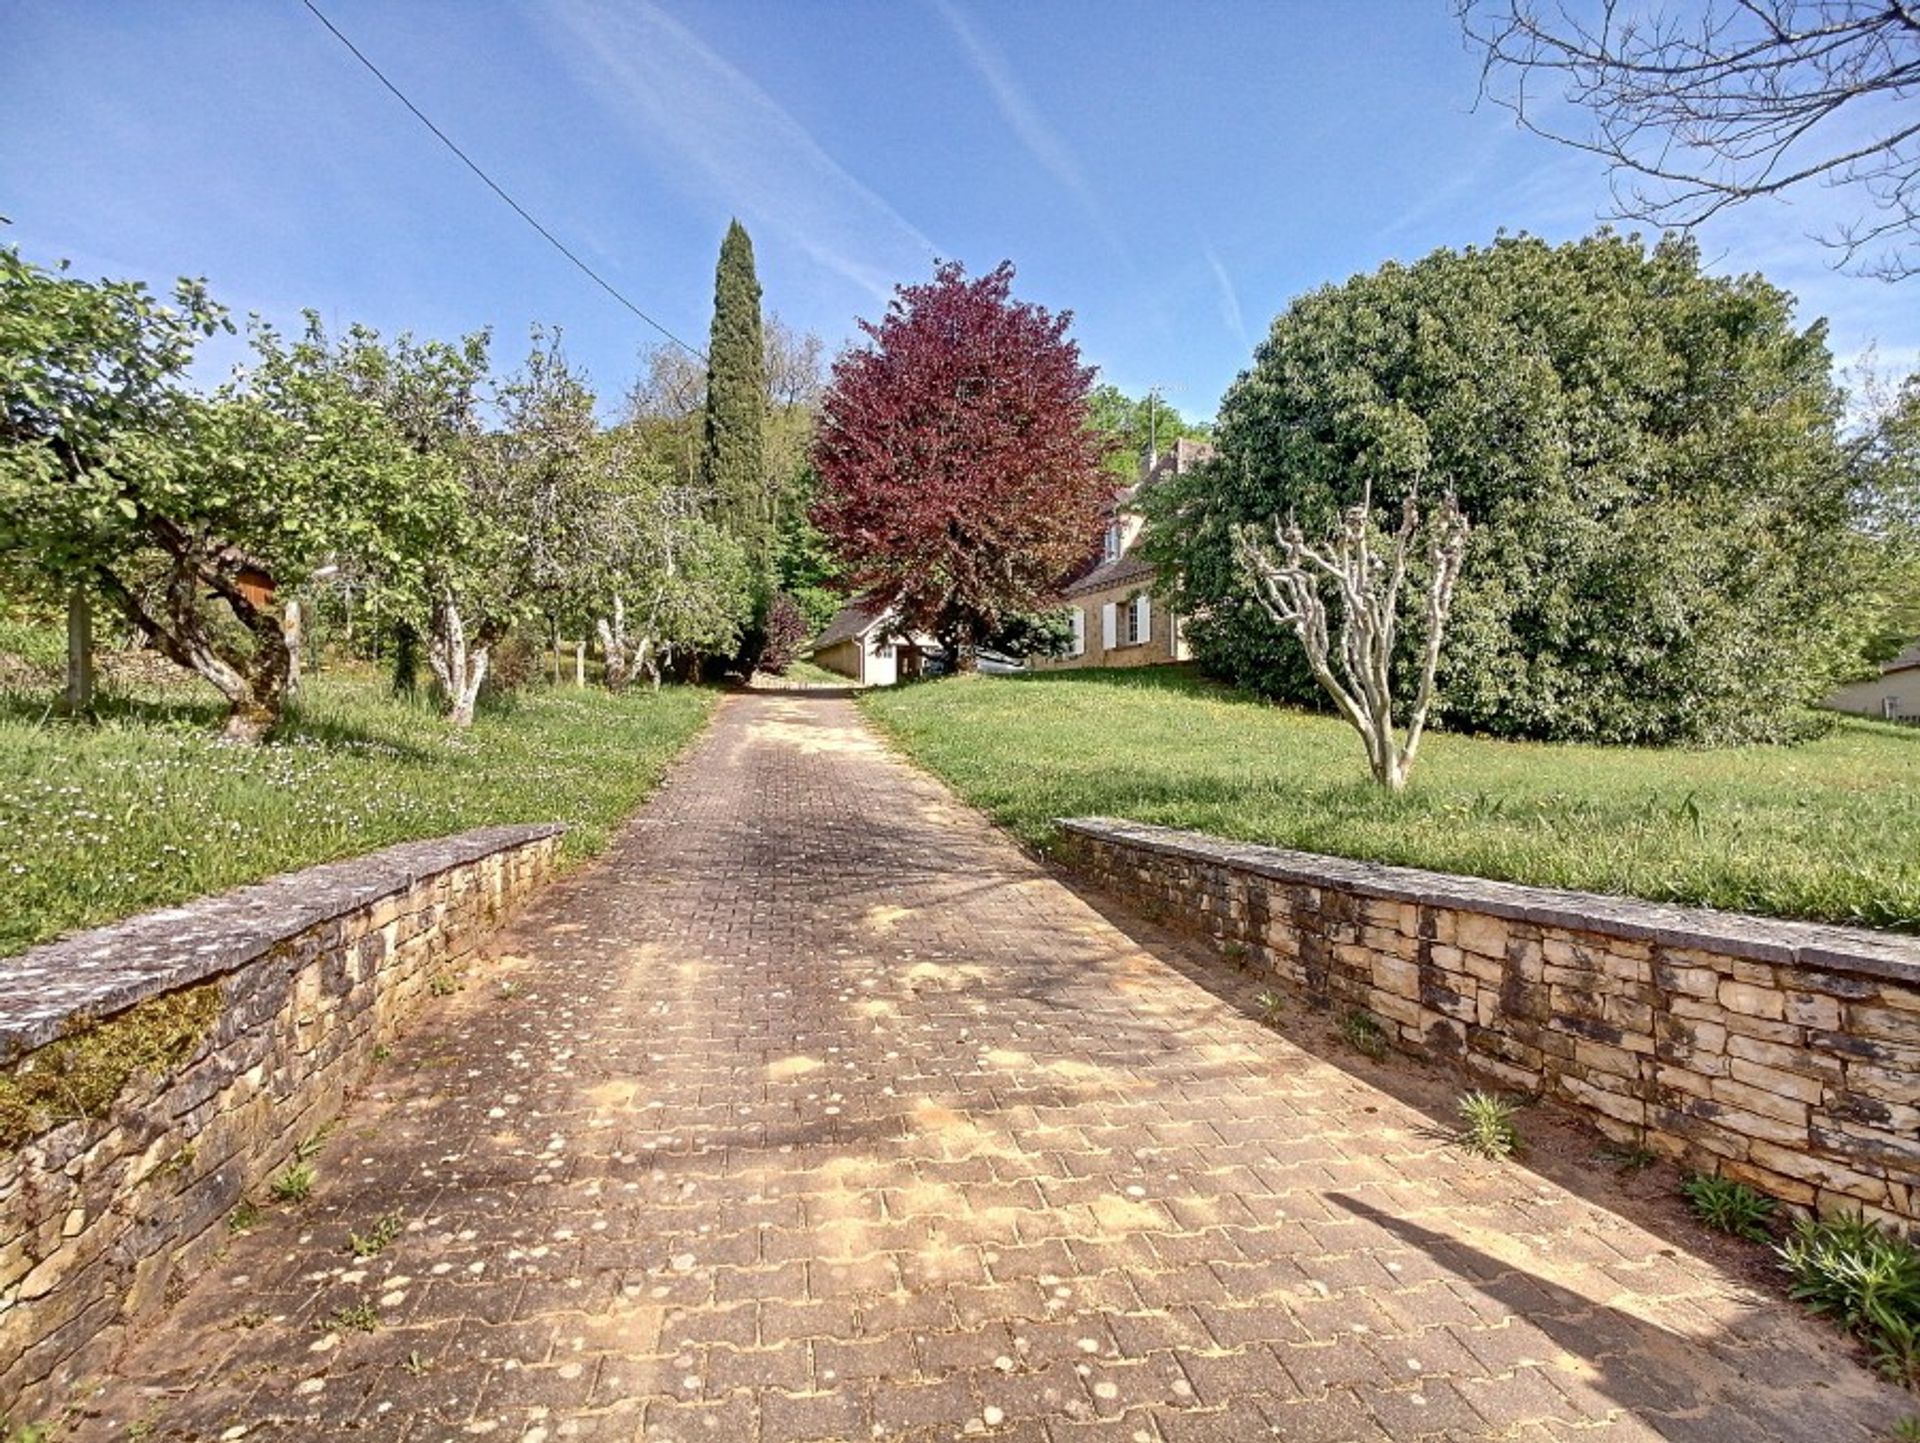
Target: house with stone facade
[(1116, 620)]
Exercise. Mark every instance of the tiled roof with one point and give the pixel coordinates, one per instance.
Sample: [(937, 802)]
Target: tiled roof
[(849, 621), (1906, 661), (1118, 572)]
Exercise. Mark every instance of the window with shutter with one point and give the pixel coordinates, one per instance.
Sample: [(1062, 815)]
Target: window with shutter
[(1079, 631), (1109, 627)]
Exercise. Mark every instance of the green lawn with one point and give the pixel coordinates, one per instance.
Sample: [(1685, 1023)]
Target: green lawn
[(1829, 830), (146, 808)]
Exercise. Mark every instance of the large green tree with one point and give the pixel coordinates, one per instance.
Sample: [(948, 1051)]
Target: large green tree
[(1664, 547), (733, 465)]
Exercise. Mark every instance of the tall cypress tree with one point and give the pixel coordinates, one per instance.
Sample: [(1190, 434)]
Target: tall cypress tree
[(733, 459)]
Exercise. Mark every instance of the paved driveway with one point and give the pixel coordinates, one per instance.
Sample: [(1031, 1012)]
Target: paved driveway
[(817, 1111)]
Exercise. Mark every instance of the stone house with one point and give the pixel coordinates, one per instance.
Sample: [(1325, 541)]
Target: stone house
[(1894, 694), (860, 644), (1116, 620)]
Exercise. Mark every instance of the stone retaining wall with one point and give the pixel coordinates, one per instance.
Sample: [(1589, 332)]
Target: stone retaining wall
[(288, 987), (1781, 1053)]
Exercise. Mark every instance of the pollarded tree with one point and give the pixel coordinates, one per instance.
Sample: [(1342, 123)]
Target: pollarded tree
[(960, 479), (1664, 542), (1342, 600)]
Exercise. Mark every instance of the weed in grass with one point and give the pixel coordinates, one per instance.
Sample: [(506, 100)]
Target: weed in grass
[(295, 1185), (382, 1053), (1864, 1278), (443, 984), (361, 1317), (415, 1364), (244, 1217), (1364, 1034), (1272, 1005), (309, 1147), (1906, 1430), (1487, 1126), (1730, 1207), (375, 1239)]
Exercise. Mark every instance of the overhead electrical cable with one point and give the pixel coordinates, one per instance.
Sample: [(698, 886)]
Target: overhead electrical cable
[(494, 186)]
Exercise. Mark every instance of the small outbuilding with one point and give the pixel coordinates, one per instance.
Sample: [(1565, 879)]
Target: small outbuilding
[(864, 643), (1893, 695)]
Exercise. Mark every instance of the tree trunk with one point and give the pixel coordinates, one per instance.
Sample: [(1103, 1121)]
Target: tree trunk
[(458, 666), (614, 647), (255, 687), (294, 631), (77, 700)]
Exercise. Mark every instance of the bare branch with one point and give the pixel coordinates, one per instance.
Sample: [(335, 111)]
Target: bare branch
[(1699, 106)]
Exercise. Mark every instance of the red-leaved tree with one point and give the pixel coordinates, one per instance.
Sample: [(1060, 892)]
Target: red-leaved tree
[(959, 478)]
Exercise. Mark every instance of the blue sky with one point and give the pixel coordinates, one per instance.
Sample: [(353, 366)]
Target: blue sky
[(1172, 173)]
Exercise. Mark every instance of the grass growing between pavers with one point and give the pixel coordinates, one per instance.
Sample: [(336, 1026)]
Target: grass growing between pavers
[(146, 808), (1828, 830)]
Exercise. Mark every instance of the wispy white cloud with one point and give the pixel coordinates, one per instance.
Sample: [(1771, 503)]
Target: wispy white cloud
[(1023, 117), (1230, 313), (739, 144)]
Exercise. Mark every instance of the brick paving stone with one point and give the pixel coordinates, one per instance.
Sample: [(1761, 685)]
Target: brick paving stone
[(817, 1111)]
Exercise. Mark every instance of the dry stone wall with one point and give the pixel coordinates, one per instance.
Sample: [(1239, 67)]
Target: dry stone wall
[(1783, 1054), (300, 979)]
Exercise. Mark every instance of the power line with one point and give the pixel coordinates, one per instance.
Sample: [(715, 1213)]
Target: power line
[(494, 186)]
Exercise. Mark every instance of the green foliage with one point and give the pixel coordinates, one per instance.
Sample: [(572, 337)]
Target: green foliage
[(1129, 428), (1272, 1005), (1663, 546), (733, 454), (804, 564), (360, 1317), (1487, 1126), (1363, 1033), (1034, 633), (1864, 1278), (145, 810), (1824, 831), (82, 1073), (1906, 1430), (377, 1238), (244, 1217), (293, 1184), (1730, 1207)]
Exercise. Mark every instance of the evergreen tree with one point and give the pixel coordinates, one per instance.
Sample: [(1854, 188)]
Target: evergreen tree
[(733, 458)]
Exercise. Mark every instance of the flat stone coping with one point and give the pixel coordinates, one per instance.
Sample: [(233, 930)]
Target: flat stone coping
[(108, 969), (1891, 955)]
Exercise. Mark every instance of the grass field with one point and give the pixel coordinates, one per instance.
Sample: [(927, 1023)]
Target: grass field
[(146, 808), (1828, 830)]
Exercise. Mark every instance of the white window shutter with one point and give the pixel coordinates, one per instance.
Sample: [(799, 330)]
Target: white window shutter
[(1109, 626), (1079, 631), (1146, 617)]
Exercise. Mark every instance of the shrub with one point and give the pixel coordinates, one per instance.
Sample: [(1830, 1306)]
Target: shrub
[(1364, 1034), (1488, 1127), (1867, 1280), (1729, 1206), (786, 633), (1663, 544)]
